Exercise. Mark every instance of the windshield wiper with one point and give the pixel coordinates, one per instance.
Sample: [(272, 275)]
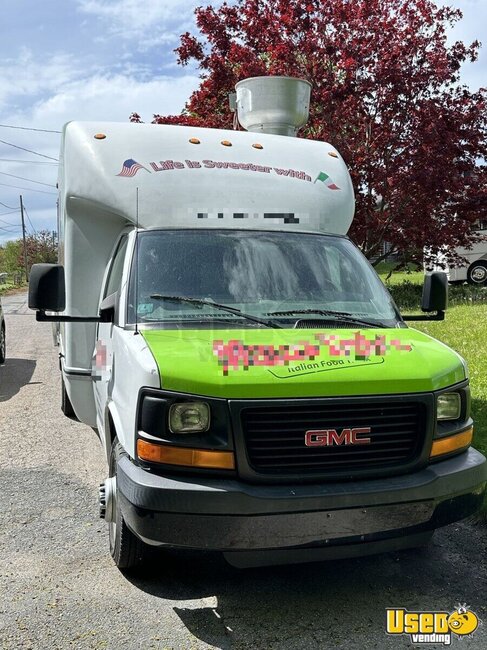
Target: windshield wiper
[(327, 312), (216, 305)]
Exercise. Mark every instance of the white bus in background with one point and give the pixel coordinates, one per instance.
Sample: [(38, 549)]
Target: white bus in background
[(474, 271)]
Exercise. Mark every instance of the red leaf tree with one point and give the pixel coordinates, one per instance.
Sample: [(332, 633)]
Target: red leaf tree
[(41, 247), (386, 93)]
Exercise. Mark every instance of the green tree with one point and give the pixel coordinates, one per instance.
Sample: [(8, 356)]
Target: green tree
[(9, 256), (40, 247)]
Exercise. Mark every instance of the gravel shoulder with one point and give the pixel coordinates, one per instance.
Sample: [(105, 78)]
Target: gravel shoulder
[(59, 588)]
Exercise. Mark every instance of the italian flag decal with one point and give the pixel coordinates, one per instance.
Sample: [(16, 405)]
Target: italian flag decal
[(324, 178)]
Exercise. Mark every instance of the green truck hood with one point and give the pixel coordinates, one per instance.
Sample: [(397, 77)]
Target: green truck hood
[(302, 363)]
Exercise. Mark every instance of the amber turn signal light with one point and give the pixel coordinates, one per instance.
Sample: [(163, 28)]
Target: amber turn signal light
[(451, 443), (185, 456)]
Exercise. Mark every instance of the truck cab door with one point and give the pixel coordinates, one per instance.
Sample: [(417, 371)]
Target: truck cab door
[(103, 356)]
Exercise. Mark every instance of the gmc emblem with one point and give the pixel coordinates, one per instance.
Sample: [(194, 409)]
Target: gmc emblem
[(330, 437)]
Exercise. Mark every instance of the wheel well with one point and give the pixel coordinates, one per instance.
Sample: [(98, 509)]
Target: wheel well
[(480, 262), (111, 433)]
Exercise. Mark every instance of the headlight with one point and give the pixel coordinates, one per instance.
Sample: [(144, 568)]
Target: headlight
[(189, 417), (448, 406)]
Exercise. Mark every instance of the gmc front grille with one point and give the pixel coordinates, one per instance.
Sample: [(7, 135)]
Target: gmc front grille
[(274, 435)]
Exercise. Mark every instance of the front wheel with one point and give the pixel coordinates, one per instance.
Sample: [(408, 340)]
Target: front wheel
[(477, 273), (127, 550)]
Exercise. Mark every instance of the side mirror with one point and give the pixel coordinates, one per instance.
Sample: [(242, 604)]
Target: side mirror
[(435, 297), (435, 292), (47, 291)]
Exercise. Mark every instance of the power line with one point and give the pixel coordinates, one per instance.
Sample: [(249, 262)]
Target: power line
[(26, 268), (12, 232), (28, 162), (31, 225), (9, 207), (29, 150), (22, 178), (28, 189), (27, 128), (7, 223), (2, 214)]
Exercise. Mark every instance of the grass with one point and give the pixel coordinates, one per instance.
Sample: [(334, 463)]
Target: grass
[(9, 287), (5, 287), (410, 274)]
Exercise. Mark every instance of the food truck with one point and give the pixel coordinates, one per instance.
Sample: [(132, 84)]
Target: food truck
[(253, 385)]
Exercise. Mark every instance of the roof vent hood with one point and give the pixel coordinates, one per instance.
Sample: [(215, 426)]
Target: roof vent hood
[(278, 105)]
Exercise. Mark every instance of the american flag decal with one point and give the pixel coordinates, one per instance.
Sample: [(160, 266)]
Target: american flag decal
[(131, 167)]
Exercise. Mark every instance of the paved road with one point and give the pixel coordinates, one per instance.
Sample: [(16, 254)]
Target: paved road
[(59, 588)]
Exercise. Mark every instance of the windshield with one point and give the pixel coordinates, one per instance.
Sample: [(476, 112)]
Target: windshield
[(257, 272)]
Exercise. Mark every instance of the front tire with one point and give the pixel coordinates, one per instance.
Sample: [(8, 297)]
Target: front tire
[(477, 273), (127, 550)]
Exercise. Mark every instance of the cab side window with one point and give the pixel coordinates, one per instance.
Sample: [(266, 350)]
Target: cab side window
[(115, 275)]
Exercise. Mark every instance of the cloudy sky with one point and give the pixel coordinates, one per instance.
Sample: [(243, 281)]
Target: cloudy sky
[(64, 60)]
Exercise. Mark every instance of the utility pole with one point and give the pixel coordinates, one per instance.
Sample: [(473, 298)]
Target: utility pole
[(23, 237)]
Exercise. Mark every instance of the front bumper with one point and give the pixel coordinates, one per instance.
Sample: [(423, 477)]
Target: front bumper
[(228, 515)]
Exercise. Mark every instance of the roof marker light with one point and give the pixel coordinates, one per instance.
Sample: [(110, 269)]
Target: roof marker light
[(194, 141), (99, 136), (256, 145), (226, 143), (333, 154)]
